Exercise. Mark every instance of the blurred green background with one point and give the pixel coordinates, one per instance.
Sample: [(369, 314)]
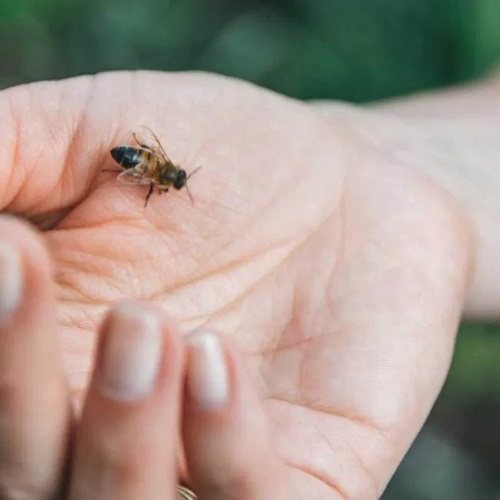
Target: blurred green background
[(355, 50)]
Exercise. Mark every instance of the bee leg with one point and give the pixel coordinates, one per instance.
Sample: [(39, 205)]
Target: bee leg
[(150, 192), (163, 190)]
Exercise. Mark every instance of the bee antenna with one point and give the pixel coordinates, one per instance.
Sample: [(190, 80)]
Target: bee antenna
[(190, 195), (193, 172), (187, 188)]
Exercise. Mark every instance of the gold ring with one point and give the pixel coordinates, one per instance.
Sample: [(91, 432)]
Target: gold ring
[(185, 493)]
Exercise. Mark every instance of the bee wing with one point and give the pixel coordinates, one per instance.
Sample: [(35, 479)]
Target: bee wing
[(134, 178), (146, 137)]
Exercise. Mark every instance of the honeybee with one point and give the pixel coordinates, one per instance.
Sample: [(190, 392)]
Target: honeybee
[(147, 164)]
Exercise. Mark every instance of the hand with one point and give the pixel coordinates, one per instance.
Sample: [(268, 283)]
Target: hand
[(339, 272), (145, 378)]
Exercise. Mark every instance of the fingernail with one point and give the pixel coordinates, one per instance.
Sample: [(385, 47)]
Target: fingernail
[(131, 353), (10, 281), (207, 375)]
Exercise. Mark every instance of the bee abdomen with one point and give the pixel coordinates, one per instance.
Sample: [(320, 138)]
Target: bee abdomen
[(126, 156)]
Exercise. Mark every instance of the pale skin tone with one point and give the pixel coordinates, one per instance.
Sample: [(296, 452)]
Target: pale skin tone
[(333, 248)]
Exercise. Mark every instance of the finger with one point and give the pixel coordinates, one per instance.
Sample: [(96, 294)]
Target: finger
[(34, 399), (227, 443), (127, 439)]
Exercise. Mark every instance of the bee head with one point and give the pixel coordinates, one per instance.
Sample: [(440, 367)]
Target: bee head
[(180, 180)]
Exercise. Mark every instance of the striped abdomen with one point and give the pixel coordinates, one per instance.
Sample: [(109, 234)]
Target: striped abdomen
[(129, 157)]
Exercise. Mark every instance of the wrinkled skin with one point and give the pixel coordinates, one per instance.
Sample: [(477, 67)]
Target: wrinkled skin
[(339, 272)]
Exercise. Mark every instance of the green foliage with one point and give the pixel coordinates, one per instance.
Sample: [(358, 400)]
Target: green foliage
[(358, 50), (480, 41), (475, 370)]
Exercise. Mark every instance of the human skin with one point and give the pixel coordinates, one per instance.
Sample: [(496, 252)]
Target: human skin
[(335, 247)]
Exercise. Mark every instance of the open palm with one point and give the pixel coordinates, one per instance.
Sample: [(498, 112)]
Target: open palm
[(338, 273)]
